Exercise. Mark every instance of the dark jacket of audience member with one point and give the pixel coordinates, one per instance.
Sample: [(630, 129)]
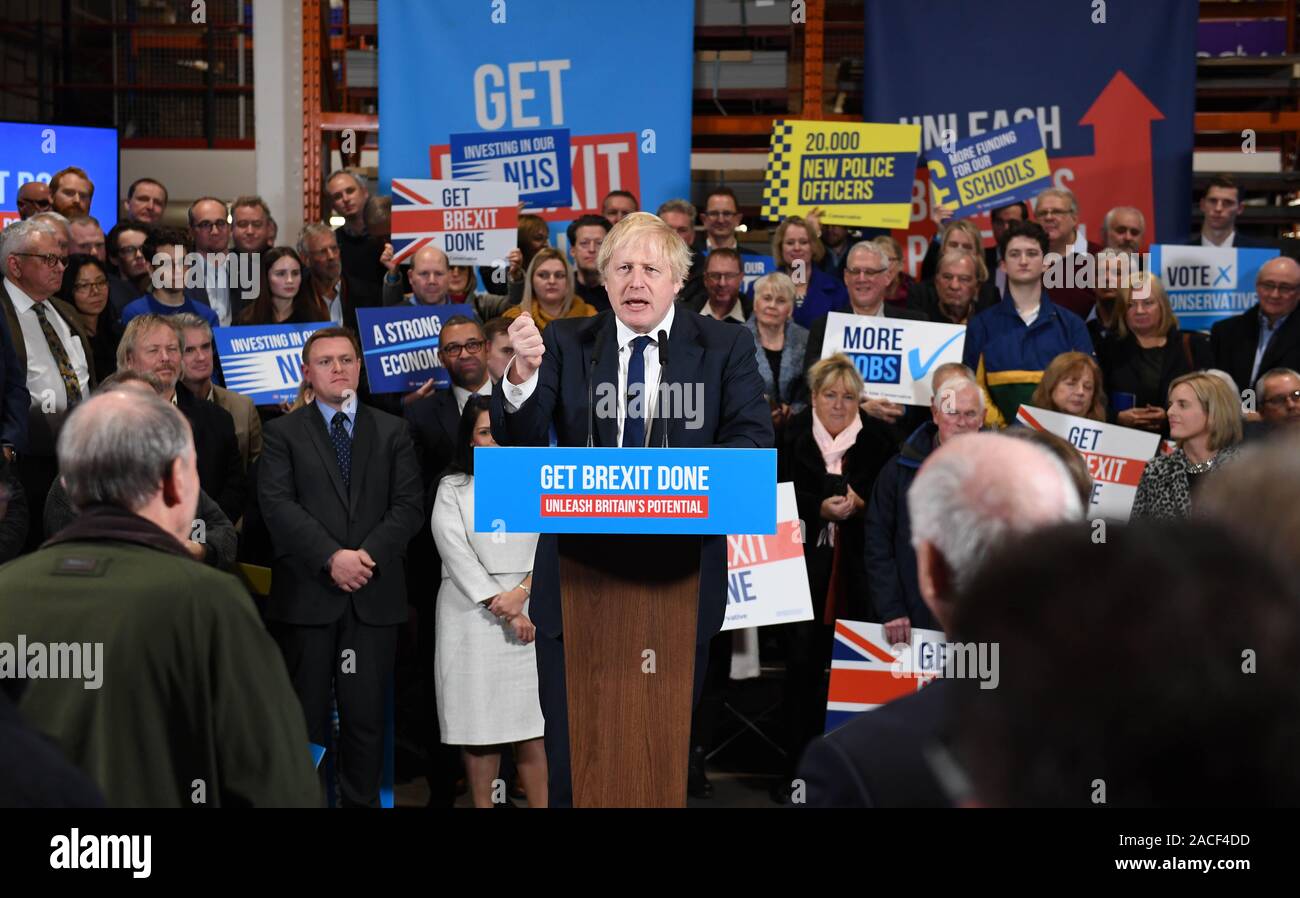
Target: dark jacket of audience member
[(14, 514), (1123, 366), (890, 558), (33, 772), (216, 447), (1235, 340)]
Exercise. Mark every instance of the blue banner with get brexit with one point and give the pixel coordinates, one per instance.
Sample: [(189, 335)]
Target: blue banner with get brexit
[(616, 76), (624, 490), (400, 345), (1111, 86)]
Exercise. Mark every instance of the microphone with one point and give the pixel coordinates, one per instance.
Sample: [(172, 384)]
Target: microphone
[(591, 384), (663, 366)]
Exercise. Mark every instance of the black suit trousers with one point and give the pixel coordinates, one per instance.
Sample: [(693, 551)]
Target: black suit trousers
[(314, 656), (555, 711)]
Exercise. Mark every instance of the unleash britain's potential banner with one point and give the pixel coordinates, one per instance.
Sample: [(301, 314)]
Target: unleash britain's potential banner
[(1111, 85), (617, 88)]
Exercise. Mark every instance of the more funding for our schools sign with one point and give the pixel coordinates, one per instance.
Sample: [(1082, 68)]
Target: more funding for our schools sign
[(535, 161), (989, 170), (767, 578), (624, 490), (473, 222), (895, 356), (1116, 456), (264, 361), (1207, 284), (858, 175), (400, 345)]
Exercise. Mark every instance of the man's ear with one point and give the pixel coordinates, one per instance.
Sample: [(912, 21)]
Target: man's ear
[(935, 579), (171, 484)]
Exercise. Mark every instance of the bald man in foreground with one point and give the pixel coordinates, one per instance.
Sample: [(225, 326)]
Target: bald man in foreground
[(972, 494)]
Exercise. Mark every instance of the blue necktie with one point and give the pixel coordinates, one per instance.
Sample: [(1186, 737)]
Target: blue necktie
[(634, 424), (342, 447)]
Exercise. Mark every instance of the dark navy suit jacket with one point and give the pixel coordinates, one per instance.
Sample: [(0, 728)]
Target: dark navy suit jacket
[(700, 350)]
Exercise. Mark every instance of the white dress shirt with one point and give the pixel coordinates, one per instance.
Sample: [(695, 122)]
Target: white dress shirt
[(1228, 241), (517, 394), (216, 281), (462, 395), (735, 314), (43, 378)]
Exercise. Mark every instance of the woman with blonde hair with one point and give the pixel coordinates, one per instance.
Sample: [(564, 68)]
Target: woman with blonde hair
[(1144, 353), (1071, 385), (548, 291), (797, 248), (1205, 419)]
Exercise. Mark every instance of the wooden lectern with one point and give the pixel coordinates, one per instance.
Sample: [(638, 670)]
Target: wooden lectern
[(630, 606)]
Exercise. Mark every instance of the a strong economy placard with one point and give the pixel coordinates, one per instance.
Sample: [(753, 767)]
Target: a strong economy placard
[(767, 579), (473, 222), (989, 170), (400, 345), (1116, 456), (895, 356), (264, 362), (624, 490), (859, 175)]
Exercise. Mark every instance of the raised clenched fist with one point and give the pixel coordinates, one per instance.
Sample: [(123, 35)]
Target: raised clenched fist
[(526, 341)]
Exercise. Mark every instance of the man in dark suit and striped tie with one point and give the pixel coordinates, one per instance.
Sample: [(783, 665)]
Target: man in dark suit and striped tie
[(340, 491), (51, 344)]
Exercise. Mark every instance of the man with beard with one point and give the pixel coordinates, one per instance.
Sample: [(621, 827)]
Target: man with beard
[(71, 191), (152, 343)]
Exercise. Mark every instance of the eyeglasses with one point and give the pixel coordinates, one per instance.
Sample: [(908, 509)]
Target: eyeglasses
[(865, 272), (1282, 399), (93, 286), (454, 350), (50, 259), (218, 225), (1275, 287), (39, 204)]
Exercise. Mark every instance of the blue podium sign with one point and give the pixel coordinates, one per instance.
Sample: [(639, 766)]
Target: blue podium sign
[(623, 490)]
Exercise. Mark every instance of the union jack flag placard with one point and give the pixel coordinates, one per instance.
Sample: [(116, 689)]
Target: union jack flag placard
[(866, 672), (473, 222)]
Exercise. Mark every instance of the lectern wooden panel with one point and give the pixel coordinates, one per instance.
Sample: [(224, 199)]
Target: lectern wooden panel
[(629, 605)]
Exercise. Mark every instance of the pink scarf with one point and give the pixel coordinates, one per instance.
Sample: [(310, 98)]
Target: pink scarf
[(834, 447)]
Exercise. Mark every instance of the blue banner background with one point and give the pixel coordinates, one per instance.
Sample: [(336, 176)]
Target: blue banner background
[(370, 319), (267, 376), (22, 153)]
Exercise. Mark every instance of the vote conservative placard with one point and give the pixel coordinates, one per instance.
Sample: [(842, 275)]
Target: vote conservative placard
[(859, 175), (1116, 456), (624, 490), (264, 361), (992, 169), (400, 345), (473, 222), (537, 162), (895, 356), (767, 579), (1207, 284)]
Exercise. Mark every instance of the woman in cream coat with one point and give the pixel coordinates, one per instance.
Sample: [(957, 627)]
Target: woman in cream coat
[(486, 669)]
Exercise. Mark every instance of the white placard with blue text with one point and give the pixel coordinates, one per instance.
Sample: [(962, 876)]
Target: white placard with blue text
[(624, 490), (767, 579), (400, 345), (536, 161), (264, 361), (895, 356), (1207, 284)]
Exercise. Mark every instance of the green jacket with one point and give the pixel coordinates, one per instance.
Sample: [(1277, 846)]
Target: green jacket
[(193, 700)]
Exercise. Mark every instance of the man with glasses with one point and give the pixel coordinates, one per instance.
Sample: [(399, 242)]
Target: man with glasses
[(1279, 397), (128, 267), (53, 347), (33, 197), (1057, 211), (339, 488), (721, 299), (1010, 345), (586, 234), (1266, 335), (210, 235)]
